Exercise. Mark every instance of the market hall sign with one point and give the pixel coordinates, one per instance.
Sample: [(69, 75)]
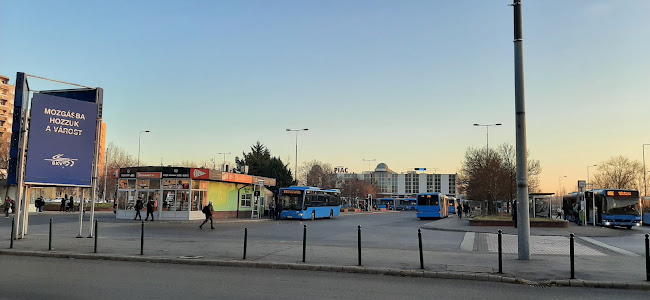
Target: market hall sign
[(61, 141)]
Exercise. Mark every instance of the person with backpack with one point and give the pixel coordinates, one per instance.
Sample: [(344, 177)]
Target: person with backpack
[(39, 203), (138, 207), (278, 210), (150, 208), (208, 210)]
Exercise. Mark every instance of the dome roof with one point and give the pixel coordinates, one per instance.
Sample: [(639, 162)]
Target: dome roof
[(382, 167)]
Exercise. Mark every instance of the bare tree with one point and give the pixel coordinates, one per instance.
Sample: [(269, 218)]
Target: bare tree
[(619, 173), (317, 173), (116, 157), (492, 175)]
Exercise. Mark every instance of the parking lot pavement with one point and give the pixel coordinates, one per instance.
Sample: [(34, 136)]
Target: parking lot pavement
[(389, 240)]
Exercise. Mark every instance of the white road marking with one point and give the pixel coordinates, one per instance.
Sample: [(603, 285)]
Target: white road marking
[(468, 242), (609, 247)]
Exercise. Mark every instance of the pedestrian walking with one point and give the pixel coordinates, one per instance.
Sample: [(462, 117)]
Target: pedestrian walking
[(208, 210), (7, 207), (39, 203), (138, 207), (71, 204), (514, 212), (278, 210), (272, 210), (459, 211), (65, 198), (466, 209), (150, 208), (559, 213)]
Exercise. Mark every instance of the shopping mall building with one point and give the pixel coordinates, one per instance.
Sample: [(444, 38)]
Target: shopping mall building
[(404, 185), (180, 193)]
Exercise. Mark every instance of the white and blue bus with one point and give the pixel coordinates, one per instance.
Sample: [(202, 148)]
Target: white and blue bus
[(614, 207), (432, 206), (304, 202)]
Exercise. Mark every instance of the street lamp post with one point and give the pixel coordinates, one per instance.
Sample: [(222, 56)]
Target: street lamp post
[(139, 139), (296, 166), (593, 198), (559, 189), (224, 159), (645, 189), (487, 152)]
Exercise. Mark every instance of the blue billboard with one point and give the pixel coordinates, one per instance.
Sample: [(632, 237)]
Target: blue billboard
[(61, 142)]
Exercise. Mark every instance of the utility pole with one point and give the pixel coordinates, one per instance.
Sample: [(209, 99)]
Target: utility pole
[(523, 220)]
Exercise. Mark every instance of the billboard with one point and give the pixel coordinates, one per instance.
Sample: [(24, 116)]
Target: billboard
[(61, 142)]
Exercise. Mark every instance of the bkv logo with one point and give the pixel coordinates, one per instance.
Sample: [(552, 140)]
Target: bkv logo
[(59, 160)]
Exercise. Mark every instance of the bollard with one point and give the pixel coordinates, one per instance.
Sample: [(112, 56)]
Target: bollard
[(142, 239), (359, 243), (571, 252), (304, 242), (420, 242), (13, 232), (50, 243), (647, 258), (500, 254), (95, 236), (245, 241)]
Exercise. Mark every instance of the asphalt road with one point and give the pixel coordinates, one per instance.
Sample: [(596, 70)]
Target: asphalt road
[(391, 230), (53, 278)]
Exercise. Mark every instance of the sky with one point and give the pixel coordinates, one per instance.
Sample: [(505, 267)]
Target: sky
[(401, 82)]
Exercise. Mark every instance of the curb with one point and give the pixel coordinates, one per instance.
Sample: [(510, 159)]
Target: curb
[(328, 268)]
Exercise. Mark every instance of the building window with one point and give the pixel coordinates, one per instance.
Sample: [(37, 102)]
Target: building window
[(246, 200)]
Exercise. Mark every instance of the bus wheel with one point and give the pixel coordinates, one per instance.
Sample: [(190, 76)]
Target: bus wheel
[(313, 215), (331, 214)]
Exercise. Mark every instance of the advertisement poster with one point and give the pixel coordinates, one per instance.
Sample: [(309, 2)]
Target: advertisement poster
[(61, 141)]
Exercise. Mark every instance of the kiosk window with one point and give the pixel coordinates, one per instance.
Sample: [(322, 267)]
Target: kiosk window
[(246, 200)]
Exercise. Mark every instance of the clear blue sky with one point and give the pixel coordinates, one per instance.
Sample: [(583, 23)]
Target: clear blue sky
[(397, 81)]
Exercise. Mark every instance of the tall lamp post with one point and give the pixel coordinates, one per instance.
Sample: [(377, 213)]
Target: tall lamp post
[(645, 188), (559, 189), (139, 139), (224, 159), (369, 160), (593, 198), (295, 174), (487, 152)]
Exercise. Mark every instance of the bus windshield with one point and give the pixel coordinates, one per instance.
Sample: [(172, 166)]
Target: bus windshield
[(291, 201), (622, 206), (427, 200)]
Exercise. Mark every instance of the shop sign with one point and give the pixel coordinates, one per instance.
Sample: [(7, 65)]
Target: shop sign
[(149, 175), (200, 174)]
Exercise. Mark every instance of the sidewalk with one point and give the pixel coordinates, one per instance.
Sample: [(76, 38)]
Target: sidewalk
[(452, 223), (121, 241)]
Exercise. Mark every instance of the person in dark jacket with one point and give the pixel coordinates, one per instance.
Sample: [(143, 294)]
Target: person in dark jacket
[(7, 205), (65, 198), (71, 204), (272, 210), (138, 207), (459, 210), (150, 208), (208, 210), (278, 210)]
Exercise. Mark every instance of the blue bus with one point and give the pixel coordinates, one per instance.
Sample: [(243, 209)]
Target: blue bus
[(432, 205), (386, 203), (411, 204), (646, 210), (614, 207), (452, 205), (304, 202)]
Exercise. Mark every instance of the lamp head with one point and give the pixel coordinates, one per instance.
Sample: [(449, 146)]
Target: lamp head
[(476, 124), (498, 124)]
